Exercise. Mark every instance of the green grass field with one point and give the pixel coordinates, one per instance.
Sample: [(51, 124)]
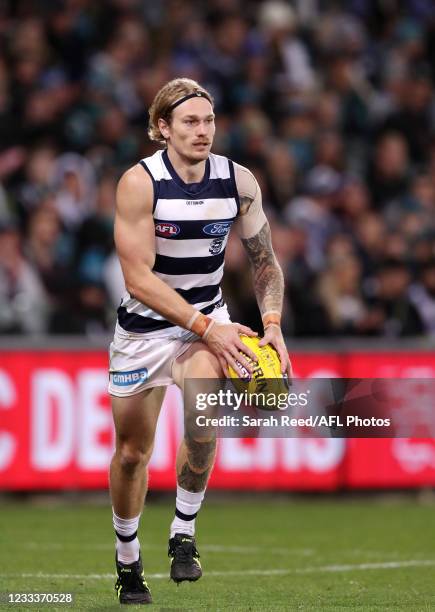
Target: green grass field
[(269, 554)]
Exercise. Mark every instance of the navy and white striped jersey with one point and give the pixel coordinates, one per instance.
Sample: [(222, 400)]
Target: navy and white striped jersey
[(192, 223)]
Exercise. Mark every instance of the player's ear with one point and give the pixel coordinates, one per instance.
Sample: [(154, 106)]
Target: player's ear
[(163, 127)]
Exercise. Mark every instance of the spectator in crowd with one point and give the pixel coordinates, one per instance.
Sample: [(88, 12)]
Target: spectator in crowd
[(371, 238), (388, 176), (308, 314), (73, 183), (95, 234), (355, 203), (50, 250), (289, 58), (329, 150), (315, 211), (86, 313), (23, 301), (340, 293), (399, 317), (414, 118), (280, 175), (36, 180), (422, 295)]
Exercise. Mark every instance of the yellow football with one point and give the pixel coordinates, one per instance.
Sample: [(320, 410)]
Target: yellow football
[(266, 377)]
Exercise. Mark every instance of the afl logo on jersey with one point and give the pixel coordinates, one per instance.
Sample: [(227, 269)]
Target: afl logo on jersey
[(167, 230), (220, 228)]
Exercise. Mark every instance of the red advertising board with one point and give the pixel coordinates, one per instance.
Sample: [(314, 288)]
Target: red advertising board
[(379, 463), (56, 431)]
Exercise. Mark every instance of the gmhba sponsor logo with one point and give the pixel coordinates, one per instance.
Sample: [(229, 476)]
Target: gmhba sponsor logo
[(123, 379)]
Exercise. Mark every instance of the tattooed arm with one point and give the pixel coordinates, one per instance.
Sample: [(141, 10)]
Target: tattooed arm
[(267, 275), (254, 231)]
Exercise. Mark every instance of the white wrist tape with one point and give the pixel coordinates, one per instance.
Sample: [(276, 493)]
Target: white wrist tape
[(192, 319), (207, 331)]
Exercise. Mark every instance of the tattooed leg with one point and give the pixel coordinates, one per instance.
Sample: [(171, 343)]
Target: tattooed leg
[(194, 463)]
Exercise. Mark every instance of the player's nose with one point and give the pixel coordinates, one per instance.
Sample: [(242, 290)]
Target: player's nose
[(201, 128)]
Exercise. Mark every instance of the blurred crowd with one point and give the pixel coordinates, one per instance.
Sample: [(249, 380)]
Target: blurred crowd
[(329, 103)]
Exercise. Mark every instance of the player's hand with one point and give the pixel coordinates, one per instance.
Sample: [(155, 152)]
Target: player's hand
[(273, 336), (224, 340)]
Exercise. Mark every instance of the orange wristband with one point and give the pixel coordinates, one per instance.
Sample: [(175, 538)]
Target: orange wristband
[(201, 324), (271, 318)]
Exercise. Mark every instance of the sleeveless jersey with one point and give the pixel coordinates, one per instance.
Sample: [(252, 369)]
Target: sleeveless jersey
[(192, 222)]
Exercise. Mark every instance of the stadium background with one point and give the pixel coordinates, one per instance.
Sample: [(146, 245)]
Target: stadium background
[(331, 105)]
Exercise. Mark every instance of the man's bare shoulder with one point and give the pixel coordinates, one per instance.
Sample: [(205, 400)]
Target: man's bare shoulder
[(247, 187), (243, 171), (135, 189), (135, 177)]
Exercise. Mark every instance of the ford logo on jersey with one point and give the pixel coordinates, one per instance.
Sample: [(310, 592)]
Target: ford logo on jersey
[(124, 379), (220, 228), (167, 229)]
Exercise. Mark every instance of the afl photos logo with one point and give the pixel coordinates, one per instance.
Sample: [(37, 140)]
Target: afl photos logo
[(220, 228), (167, 230)]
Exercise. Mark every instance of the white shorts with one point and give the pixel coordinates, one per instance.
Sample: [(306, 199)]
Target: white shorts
[(138, 362)]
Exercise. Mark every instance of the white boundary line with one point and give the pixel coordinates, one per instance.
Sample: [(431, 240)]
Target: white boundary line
[(248, 550), (254, 572), (213, 548)]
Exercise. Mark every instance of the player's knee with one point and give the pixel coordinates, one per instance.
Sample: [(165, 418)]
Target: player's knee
[(132, 459)]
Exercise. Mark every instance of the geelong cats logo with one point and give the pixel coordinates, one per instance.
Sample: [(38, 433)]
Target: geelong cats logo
[(216, 245)]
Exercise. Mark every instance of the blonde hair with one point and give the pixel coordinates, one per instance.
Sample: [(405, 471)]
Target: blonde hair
[(165, 98)]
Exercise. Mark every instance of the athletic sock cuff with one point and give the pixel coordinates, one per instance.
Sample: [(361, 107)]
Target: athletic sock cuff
[(125, 527), (124, 538), (185, 517), (188, 497), (188, 503)]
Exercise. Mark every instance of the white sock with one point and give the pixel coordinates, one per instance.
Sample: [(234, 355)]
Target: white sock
[(128, 552), (187, 506)]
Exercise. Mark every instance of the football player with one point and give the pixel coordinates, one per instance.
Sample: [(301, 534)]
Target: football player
[(175, 210)]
